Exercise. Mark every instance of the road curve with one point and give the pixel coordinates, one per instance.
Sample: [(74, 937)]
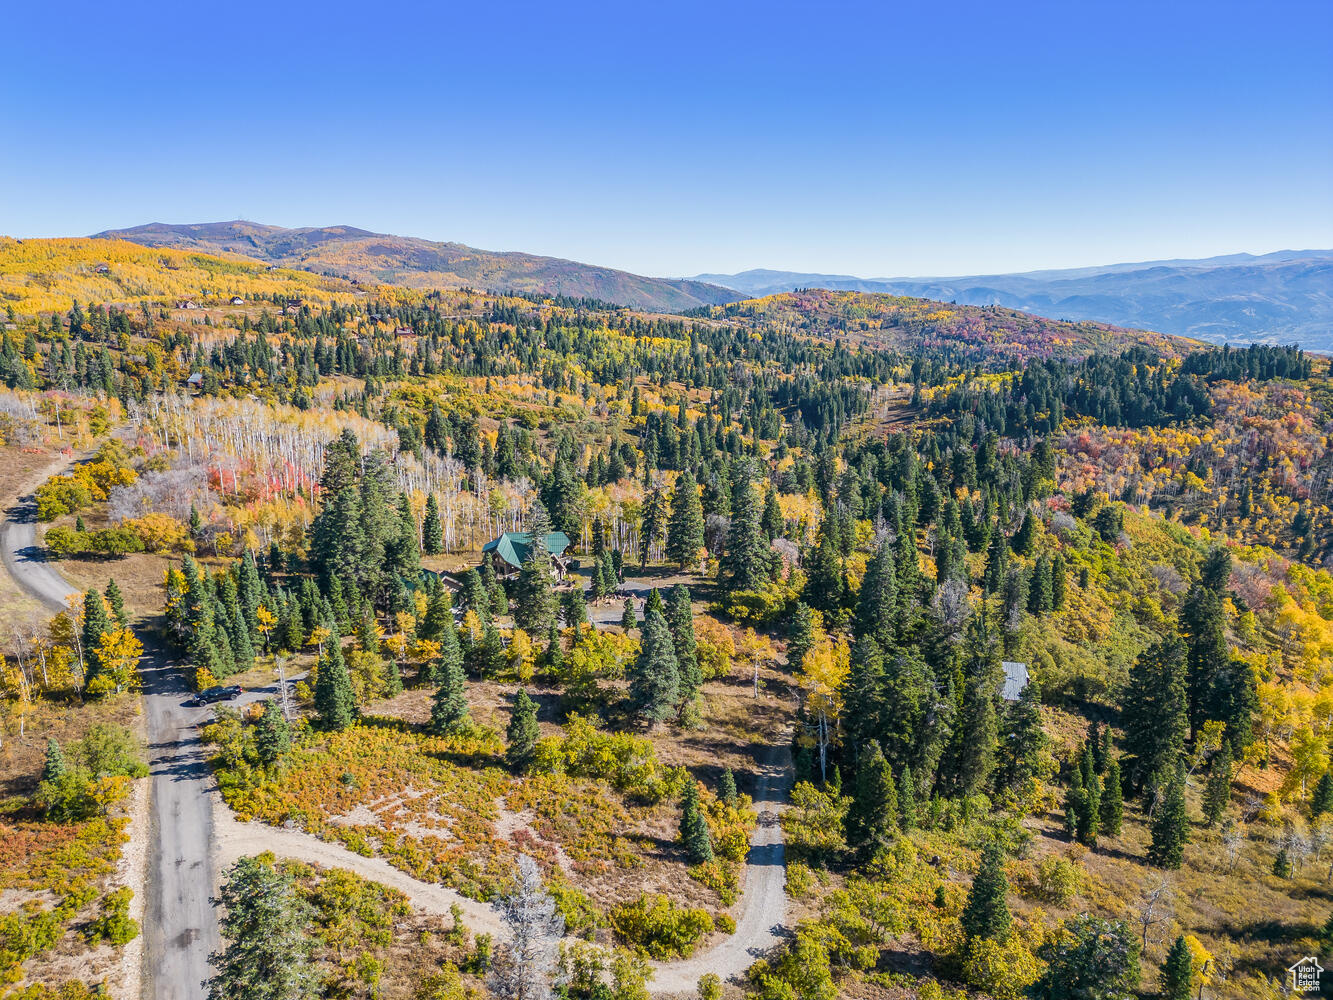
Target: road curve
[(180, 927)]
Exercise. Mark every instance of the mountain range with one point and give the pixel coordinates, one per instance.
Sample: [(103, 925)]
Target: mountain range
[(348, 252), (1281, 297)]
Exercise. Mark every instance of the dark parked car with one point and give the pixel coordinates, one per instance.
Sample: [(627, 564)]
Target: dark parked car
[(209, 696)]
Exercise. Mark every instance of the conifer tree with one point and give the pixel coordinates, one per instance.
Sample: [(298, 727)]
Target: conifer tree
[(685, 530), (1170, 826), (272, 734), (654, 522), (449, 708), (432, 532), (654, 683), (873, 815), (694, 832), (53, 767), (522, 733), (534, 593), (1178, 971), (801, 634), (335, 704), (1026, 744), (879, 597), (744, 561), (1155, 710), (1321, 801), (1059, 581), (907, 799), (654, 602), (473, 596), (997, 563), (1282, 864), (1025, 535), (488, 655), (825, 585), (116, 601), (95, 624), (680, 622), (628, 620), (1113, 803), (573, 607), (986, 914), (772, 520), (266, 955), (726, 787), (1217, 793)]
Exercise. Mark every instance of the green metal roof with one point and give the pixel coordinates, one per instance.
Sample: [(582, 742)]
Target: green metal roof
[(513, 546)]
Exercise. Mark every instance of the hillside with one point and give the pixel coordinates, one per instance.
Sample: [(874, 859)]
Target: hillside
[(40, 276), (425, 264), (1283, 297), (968, 334)]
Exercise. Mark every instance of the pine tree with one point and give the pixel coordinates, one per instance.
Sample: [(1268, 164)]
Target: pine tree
[(95, 625), (1177, 971), (680, 622), (726, 787), (873, 815), (273, 736), (1170, 826), (1321, 801), (116, 600), (906, 799), (335, 704), (654, 683), (1282, 864), (488, 655), (432, 533), (1113, 803), (267, 949), (986, 914), (573, 607), (685, 530), (801, 634), (522, 733), (879, 597), (1026, 745), (1155, 710), (1059, 581), (449, 709), (997, 563), (693, 827), (1090, 804), (1025, 535), (534, 593), (772, 520), (654, 519), (744, 561), (54, 767), (628, 620), (1217, 793)]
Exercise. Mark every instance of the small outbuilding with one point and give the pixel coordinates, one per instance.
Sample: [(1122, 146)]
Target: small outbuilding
[(510, 551), (1015, 680)]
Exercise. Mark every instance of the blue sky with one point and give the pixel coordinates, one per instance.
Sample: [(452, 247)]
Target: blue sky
[(880, 139)]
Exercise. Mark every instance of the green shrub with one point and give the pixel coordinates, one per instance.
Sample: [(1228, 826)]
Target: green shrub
[(114, 923), (660, 928)]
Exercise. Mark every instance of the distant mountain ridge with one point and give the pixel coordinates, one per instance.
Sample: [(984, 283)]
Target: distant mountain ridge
[(359, 254), (1281, 297)]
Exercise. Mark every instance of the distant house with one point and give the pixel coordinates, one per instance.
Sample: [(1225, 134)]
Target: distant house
[(196, 380), (187, 304), (236, 300), (103, 269), (1015, 680), (405, 331), (508, 552), (451, 583)]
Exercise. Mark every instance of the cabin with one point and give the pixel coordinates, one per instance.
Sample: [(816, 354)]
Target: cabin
[(236, 300), (1015, 680), (103, 269), (196, 380), (508, 552), (187, 304)]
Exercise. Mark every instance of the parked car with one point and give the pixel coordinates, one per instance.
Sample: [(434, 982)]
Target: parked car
[(210, 696)]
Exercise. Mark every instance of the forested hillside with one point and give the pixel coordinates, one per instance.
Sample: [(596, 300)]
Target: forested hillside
[(1023, 627)]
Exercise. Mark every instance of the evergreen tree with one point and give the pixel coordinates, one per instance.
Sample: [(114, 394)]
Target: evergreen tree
[(628, 620), (488, 655), (1026, 745), (335, 704), (1170, 826), (986, 914), (825, 584), (997, 563), (873, 815), (1059, 581), (1177, 971), (534, 593), (1282, 864), (273, 736), (801, 634), (654, 602), (685, 530), (1113, 803), (432, 532), (654, 683), (1321, 801), (906, 799), (1025, 535), (1203, 627), (1217, 793), (473, 596), (879, 597), (95, 625), (680, 622), (654, 521), (266, 955), (1155, 710), (726, 787), (54, 767), (522, 733), (116, 601), (693, 827), (744, 561), (772, 520), (573, 607), (449, 708)]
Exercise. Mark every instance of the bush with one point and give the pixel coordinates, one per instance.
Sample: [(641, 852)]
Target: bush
[(1005, 971), (1059, 880), (628, 763), (660, 928), (114, 923)]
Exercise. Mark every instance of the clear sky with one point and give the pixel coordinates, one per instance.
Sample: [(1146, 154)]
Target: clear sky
[(878, 138)]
